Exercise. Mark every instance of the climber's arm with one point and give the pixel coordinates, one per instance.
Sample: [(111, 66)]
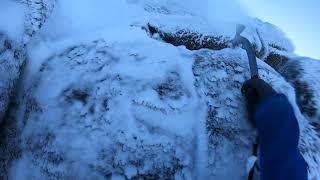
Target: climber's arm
[(278, 130)]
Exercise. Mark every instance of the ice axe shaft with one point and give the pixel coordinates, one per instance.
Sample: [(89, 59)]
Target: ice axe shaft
[(238, 39)]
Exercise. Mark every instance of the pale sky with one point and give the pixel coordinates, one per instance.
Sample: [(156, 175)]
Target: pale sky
[(299, 19)]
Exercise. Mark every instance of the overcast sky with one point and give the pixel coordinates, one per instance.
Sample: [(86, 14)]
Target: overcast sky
[(299, 19)]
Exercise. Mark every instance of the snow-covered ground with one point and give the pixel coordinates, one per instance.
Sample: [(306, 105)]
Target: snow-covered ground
[(112, 89)]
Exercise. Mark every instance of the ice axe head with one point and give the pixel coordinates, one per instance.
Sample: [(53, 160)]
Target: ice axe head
[(237, 38), (240, 29)]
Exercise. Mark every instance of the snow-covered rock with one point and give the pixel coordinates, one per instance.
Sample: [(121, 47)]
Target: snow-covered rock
[(310, 101), (302, 73), (12, 47), (199, 35), (12, 58), (225, 103), (131, 110), (110, 113), (37, 13)]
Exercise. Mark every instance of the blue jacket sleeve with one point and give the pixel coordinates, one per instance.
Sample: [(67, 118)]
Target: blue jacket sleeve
[(278, 130)]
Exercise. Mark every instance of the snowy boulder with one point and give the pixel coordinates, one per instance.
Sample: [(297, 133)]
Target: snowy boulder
[(143, 110), (225, 104), (110, 116), (12, 58), (302, 73)]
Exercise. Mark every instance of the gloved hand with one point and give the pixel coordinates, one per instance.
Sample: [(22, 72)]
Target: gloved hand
[(255, 91)]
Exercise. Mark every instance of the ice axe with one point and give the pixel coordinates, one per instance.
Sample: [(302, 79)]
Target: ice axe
[(246, 45)]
